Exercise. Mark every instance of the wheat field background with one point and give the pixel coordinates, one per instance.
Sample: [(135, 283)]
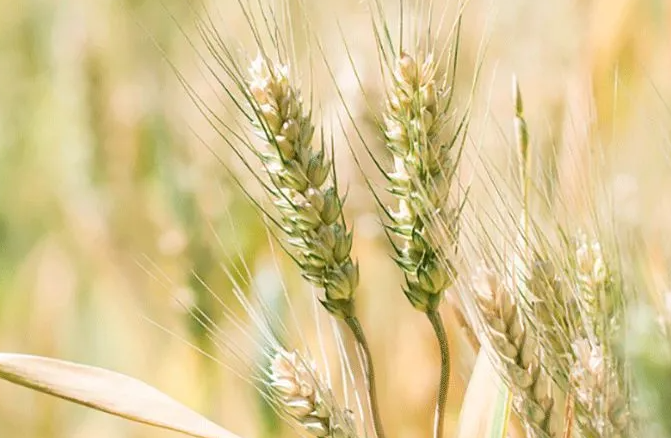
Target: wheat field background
[(109, 202)]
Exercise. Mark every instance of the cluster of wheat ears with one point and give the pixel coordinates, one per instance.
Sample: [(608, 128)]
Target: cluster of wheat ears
[(545, 305)]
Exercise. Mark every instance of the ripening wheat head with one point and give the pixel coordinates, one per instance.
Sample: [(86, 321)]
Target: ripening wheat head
[(304, 395), (310, 209), (413, 127), (518, 355)]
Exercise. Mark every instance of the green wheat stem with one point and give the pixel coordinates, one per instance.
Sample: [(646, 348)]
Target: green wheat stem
[(355, 326), (441, 334)]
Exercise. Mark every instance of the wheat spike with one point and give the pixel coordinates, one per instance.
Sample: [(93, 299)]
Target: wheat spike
[(310, 209), (598, 389), (304, 397), (518, 355), (420, 180), (598, 374)]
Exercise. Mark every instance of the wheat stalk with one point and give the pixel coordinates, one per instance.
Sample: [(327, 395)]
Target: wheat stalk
[(414, 119), (311, 211), (518, 355)]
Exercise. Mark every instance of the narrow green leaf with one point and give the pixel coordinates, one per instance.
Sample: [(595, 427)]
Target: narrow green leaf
[(485, 412), (108, 392)]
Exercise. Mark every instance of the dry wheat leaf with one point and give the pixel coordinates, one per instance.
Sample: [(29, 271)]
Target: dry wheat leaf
[(108, 392), (485, 412)]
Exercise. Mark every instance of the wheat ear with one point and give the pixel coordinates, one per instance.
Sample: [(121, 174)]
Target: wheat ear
[(543, 296), (598, 388), (301, 393), (310, 209), (420, 181), (598, 374), (550, 308), (518, 356), (421, 175)]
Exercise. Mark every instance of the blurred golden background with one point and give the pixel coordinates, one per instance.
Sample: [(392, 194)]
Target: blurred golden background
[(101, 180)]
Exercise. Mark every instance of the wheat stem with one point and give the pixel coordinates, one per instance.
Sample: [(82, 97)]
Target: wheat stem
[(355, 326), (439, 329)]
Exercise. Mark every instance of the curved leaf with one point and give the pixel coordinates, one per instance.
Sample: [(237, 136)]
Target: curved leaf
[(108, 392)]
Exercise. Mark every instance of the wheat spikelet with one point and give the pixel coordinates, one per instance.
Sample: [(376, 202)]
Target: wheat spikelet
[(301, 394), (309, 209), (519, 356), (420, 180)]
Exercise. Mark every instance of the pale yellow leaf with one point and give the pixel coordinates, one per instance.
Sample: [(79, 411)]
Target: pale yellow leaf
[(485, 412), (107, 391)]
